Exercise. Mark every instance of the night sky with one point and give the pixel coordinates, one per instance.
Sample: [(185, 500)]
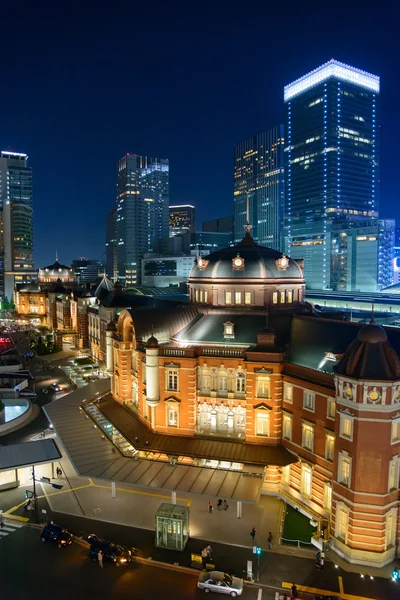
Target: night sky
[(180, 80)]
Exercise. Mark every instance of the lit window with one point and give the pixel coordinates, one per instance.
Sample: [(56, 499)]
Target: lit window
[(393, 483), (275, 298), (282, 296), (263, 422), (229, 330), (240, 382), (287, 427), (223, 381), (346, 427), (201, 295), (288, 393), (247, 297), (306, 479), (228, 297), (395, 431), (344, 469), (206, 380), (327, 496), (289, 296), (307, 436), (197, 295), (205, 295), (263, 387), (309, 400), (390, 529), (172, 415), (330, 408), (329, 446), (342, 522), (286, 474), (238, 297), (172, 379)]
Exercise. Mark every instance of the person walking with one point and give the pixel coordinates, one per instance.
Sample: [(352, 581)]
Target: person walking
[(100, 558), (225, 505), (209, 551), (270, 540), (204, 558), (210, 507), (294, 592), (253, 533), (219, 504)]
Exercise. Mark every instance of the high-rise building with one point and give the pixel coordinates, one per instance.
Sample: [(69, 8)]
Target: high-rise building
[(87, 270), (331, 160), (258, 173), (112, 245), (142, 212), (221, 225), (181, 219), (16, 218)]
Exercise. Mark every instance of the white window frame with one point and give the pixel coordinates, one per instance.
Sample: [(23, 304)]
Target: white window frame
[(263, 422), (307, 436), (228, 298), (289, 296), (390, 528), (240, 382), (263, 382), (306, 480), (395, 431), (342, 526), (327, 496), (172, 380), (330, 408), (172, 409), (282, 297), (309, 400), (286, 475), (346, 426), (247, 298), (238, 297), (274, 297), (287, 426), (344, 459), (329, 446), (288, 392), (393, 474), (222, 381)]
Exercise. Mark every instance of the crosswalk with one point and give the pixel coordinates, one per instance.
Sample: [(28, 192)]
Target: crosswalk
[(9, 527)]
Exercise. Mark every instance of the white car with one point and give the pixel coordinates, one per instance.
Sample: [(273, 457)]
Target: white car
[(222, 583)]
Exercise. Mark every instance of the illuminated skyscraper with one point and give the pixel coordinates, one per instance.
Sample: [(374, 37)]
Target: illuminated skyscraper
[(16, 218), (181, 219), (332, 154), (258, 173), (142, 212)]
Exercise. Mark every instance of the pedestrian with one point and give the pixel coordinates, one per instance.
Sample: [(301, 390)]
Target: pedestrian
[(294, 592), (210, 507), (209, 551), (1, 521), (253, 533), (219, 504), (100, 558), (226, 505), (204, 558), (270, 540)]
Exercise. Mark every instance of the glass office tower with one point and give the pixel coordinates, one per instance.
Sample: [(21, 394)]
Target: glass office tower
[(142, 212), (331, 161), (181, 219), (16, 215), (259, 178)]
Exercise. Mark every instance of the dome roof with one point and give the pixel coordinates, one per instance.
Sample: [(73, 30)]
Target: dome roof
[(372, 333), (57, 269), (246, 260), (152, 342), (104, 288), (111, 326)]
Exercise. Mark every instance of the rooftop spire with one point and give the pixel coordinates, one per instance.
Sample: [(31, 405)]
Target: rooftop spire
[(56, 256), (372, 321)]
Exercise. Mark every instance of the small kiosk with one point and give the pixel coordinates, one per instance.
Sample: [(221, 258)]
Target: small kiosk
[(172, 526)]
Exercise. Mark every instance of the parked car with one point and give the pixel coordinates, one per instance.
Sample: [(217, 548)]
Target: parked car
[(56, 533), (114, 553), (222, 583)]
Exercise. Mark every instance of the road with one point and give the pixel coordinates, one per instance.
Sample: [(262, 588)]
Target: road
[(31, 569)]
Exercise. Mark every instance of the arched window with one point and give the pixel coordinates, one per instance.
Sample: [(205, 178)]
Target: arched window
[(240, 382)]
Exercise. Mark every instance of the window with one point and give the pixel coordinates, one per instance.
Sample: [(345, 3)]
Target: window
[(275, 298), (240, 382), (287, 427), (309, 400), (205, 295), (282, 296), (346, 427), (344, 469), (262, 386), (228, 297), (172, 379), (223, 381), (172, 415), (307, 436), (395, 431), (197, 295), (393, 482), (115, 357), (306, 478), (288, 393), (327, 496), (330, 408), (206, 380), (342, 522), (247, 297), (289, 296), (201, 295), (229, 330), (329, 446), (263, 422), (238, 297), (390, 528), (286, 474)]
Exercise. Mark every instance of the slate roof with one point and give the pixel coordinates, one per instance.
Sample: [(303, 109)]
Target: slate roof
[(169, 318), (27, 454), (210, 329)]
